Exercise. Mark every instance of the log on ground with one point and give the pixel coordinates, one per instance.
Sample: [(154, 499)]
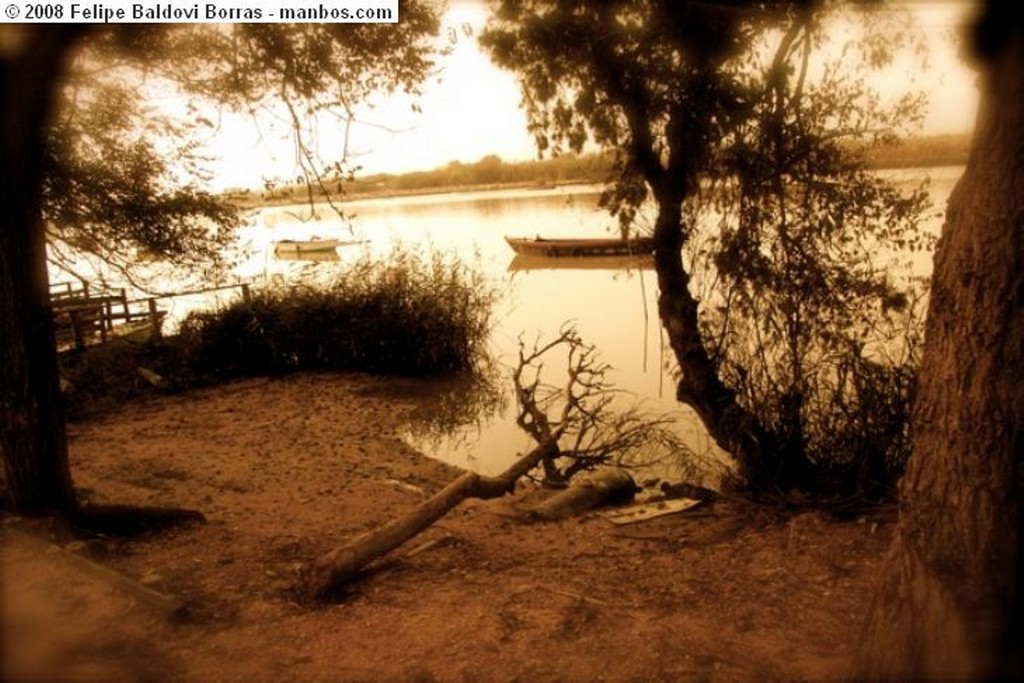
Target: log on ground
[(608, 486), (329, 573)]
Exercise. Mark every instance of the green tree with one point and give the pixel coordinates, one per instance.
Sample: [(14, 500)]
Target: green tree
[(95, 188), (726, 117)]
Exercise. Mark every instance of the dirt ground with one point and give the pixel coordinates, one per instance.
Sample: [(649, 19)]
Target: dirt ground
[(286, 469)]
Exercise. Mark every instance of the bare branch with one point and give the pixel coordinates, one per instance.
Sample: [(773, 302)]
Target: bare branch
[(586, 431)]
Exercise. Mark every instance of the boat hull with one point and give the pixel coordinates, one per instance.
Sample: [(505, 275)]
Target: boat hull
[(541, 246), (310, 246)]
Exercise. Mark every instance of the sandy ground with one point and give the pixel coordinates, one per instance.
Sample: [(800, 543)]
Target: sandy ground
[(286, 469)]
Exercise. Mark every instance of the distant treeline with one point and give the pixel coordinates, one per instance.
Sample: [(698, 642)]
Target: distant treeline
[(923, 152), (491, 172)]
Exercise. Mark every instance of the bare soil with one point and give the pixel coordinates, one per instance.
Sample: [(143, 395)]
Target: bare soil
[(286, 469)]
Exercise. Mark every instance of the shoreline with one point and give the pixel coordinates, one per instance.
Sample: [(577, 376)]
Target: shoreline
[(349, 197), (286, 469)]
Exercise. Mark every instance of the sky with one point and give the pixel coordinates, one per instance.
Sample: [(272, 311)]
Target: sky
[(472, 108)]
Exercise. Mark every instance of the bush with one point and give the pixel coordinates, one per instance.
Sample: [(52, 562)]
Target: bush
[(408, 315)]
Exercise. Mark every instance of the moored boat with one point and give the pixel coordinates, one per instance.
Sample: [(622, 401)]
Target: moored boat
[(597, 246), (303, 246)]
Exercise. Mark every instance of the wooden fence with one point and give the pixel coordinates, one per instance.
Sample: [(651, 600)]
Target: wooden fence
[(84, 316)]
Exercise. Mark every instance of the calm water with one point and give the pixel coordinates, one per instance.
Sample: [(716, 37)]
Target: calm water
[(613, 305), (611, 302)]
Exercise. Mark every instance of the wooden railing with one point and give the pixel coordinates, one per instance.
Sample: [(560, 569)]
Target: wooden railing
[(83, 317)]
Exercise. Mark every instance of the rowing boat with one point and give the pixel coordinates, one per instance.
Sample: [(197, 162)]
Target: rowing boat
[(303, 246), (600, 246)]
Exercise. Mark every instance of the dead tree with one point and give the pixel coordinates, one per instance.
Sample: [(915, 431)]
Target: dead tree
[(581, 405), (590, 432)]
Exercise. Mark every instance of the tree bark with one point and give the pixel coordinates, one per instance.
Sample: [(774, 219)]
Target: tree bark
[(763, 463), (32, 429), (949, 606)]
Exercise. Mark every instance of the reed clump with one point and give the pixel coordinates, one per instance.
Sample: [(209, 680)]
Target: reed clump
[(406, 315)]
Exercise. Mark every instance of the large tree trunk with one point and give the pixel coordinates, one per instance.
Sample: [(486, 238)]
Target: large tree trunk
[(950, 603), (32, 429)]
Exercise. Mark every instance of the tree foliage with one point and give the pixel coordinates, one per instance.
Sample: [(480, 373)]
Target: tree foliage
[(74, 167), (109, 191), (123, 176), (744, 128), (818, 320)]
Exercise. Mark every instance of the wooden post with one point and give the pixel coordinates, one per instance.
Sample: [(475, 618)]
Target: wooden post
[(77, 338), (124, 305), (245, 293), (154, 319), (106, 318)]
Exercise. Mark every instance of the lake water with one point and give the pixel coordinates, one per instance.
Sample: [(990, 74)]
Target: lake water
[(612, 302)]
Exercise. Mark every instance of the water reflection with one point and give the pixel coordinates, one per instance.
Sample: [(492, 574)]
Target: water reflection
[(461, 409), (614, 263), (330, 255)]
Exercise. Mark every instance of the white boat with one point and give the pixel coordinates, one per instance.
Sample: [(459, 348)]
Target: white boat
[(306, 246)]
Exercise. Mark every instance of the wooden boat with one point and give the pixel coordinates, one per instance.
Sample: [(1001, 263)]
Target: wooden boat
[(599, 246), (324, 255), (304, 246)]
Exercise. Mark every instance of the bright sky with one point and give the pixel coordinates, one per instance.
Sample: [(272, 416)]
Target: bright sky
[(472, 108)]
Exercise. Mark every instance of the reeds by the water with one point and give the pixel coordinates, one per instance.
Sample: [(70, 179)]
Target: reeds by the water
[(408, 315)]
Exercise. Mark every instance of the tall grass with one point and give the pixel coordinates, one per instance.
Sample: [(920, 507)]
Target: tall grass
[(408, 315)]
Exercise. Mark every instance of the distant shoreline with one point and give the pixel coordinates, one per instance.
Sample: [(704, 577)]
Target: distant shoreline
[(491, 174), (349, 197)]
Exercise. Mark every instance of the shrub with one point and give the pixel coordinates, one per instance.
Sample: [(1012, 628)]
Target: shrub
[(407, 315)]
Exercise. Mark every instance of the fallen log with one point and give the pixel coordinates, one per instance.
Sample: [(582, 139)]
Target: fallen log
[(329, 574), (583, 420), (608, 486)]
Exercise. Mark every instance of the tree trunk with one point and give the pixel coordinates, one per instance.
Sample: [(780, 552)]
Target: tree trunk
[(733, 428), (949, 606), (32, 429)]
